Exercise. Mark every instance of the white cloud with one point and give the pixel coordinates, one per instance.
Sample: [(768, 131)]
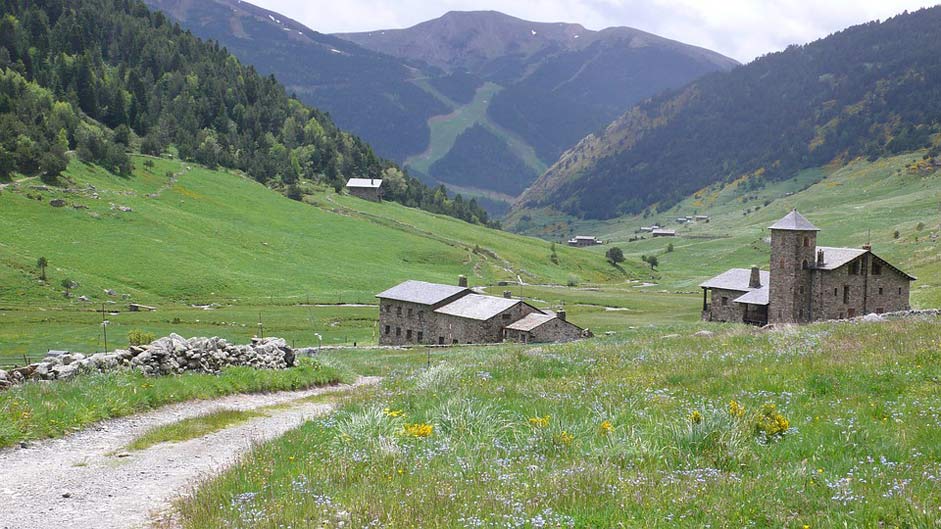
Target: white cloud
[(743, 29)]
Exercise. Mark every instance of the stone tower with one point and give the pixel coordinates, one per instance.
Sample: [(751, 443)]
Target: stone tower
[(793, 256)]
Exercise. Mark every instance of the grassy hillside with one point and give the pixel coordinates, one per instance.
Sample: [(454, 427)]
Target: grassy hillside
[(831, 425), (854, 204), (215, 237)]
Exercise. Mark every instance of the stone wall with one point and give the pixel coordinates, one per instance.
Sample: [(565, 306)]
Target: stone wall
[(553, 331), (867, 293), (790, 288), (722, 306), (457, 330), (404, 323), (365, 193), (166, 356)]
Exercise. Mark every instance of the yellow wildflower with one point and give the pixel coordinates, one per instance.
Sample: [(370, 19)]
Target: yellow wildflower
[(539, 422), (393, 413), (419, 430), (736, 409), (605, 428), (695, 417), (566, 438)]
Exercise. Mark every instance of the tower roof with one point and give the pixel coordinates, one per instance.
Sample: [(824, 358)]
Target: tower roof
[(794, 221)]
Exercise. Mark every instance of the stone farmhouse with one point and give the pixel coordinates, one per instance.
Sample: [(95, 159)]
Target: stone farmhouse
[(365, 188), (806, 282), (582, 241), (420, 313)]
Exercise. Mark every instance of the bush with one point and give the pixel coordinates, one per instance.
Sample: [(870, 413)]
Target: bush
[(138, 337), (573, 280)]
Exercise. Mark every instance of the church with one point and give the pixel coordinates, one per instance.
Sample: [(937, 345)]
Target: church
[(806, 282)]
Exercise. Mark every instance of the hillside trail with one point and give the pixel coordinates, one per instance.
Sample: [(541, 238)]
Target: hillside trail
[(88, 480)]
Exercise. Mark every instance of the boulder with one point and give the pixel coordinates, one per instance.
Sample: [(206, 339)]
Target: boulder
[(705, 333)]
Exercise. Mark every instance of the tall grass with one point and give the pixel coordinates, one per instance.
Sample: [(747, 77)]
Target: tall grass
[(637, 432)]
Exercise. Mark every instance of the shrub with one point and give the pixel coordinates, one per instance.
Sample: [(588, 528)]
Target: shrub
[(573, 280), (138, 337)]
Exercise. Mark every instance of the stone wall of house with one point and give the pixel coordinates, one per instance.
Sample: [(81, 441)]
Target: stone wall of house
[(404, 323), (365, 193), (457, 330), (841, 294), (792, 255), (722, 306), (555, 330)]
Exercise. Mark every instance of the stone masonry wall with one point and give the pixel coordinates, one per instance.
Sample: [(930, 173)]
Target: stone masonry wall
[(453, 329), (403, 323), (790, 289), (727, 311), (868, 293)]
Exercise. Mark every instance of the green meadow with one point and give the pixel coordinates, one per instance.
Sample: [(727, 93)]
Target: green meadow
[(829, 425), (216, 253)]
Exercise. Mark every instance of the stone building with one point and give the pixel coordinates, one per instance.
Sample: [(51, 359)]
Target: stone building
[(582, 241), (420, 313), (807, 282), (365, 188), (543, 327)]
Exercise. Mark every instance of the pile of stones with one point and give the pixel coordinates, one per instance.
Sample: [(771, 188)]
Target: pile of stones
[(167, 356)]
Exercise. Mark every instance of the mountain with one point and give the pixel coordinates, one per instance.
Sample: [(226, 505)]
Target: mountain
[(536, 94), (557, 82), (104, 77), (870, 90), (365, 92)]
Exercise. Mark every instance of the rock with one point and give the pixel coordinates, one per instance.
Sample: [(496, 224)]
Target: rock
[(57, 203), (66, 494), (63, 372), (84, 299), (873, 318), (705, 333)]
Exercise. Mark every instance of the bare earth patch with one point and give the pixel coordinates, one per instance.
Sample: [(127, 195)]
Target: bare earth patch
[(88, 480)]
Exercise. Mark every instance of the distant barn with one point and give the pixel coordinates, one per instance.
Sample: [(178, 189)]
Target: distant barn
[(365, 188)]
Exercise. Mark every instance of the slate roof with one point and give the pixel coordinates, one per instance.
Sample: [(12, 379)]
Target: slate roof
[(664, 232), (794, 221), (834, 258), (368, 183), (421, 292), (531, 321), (477, 307), (760, 296), (736, 279)]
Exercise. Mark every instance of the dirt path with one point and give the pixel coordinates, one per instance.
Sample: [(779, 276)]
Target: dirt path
[(86, 480)]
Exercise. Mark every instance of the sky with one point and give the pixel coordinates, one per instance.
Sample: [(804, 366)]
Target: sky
[(741, 29)]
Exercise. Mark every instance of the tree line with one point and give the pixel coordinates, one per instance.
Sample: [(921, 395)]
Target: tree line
[(103, 77)]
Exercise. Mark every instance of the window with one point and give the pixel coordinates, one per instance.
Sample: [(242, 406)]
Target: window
[(836, 292), (841, 316), (453, 342), (802, 289), (398, 331), (441, 340), (421, 336), (900, 291), (408, 334), (800, 314), (851, 313), (506, 317), (854, 268), (876, 269), (846, 294), (806, 242), (880, 291), (804, 265), (725, 301), (409, 313), (388, 329), (398, 310), (880, 310)]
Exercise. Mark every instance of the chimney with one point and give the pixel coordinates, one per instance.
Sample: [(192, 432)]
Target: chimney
[(820, 258), (867, 247), (508, 294), (755, 280), (561, 315), (462, 281)]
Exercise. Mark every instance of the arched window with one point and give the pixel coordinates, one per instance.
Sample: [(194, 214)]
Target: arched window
[(806, 242), (804, 264)]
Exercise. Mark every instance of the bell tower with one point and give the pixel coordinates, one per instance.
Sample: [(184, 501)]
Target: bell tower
[(793, 256)]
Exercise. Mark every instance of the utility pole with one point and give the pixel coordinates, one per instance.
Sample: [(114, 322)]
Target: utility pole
[(104, 327)]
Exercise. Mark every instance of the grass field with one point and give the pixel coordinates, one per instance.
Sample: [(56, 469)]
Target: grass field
[(38, 411), (830, 425), (862, 202), (216, 239)]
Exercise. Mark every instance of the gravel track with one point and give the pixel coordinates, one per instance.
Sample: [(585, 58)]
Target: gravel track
[(86, 480)]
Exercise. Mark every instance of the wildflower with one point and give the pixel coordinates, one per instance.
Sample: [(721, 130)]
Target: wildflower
[(566, 438), (605, 428), (419, 430), (736, 409), (770, 423), (695, 417), (393, 413), (539, 422)]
